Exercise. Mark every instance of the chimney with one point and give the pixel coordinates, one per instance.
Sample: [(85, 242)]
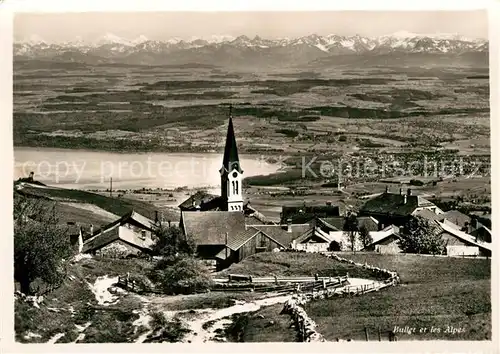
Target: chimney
[(91, 230), (405, 199), (408, 191), (289, 225)]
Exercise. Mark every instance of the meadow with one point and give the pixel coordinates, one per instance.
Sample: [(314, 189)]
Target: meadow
[(435, 292)]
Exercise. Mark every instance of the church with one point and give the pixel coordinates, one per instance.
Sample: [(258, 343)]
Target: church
[(224, 227)]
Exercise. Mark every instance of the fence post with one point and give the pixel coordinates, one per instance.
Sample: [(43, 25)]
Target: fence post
[(366, 334)]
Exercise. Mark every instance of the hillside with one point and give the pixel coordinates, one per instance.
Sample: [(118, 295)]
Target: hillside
[(90, 208), (436, 292)]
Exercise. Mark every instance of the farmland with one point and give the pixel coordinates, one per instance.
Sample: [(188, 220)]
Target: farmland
[(68, 107)]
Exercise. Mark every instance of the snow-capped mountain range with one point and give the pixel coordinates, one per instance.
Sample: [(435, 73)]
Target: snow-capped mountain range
[(229, 49)]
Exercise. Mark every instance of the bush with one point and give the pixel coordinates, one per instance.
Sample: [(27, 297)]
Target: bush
[(165, 330), (183, 275), (416, 182), (342, 138)]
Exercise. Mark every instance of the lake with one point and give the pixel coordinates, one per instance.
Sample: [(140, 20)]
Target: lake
[(80, 169)]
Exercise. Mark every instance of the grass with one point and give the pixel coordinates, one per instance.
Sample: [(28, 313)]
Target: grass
[(265, 325), (435, 292), (293, 264), (117, 206)]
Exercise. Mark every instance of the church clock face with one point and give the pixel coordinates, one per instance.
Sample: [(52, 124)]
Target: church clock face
[(235, 174)]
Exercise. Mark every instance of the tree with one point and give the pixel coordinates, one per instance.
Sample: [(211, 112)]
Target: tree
[(364, 236), (419, 236), (351, 228), (41, 247), (171, 242)]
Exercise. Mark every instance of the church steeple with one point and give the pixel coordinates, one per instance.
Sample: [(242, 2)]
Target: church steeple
[(231, 159), (231, 172)]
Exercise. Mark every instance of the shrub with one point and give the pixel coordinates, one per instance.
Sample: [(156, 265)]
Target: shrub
[(416, 182), (183, 275)]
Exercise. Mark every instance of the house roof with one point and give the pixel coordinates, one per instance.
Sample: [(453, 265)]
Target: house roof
[(457, 217), (200, 199), (130, 216), (210, 227), (389, 231), (254, 216), (394, 204), (112, 234), (337, 223), (304, 213), (462, 235), (314, 232), (280, 233), (429, 215), (237, 240)]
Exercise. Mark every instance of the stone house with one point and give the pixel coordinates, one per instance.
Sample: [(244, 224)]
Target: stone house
[(131, 235)]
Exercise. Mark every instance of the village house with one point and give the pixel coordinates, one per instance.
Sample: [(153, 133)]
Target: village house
[(305, 213), (396, 208), (329, 234), (130, 235), (459, 243)]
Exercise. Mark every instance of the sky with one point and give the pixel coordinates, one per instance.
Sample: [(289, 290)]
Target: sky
[(55, 27)]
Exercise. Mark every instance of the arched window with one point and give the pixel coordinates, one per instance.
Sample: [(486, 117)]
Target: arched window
[(236, 189)]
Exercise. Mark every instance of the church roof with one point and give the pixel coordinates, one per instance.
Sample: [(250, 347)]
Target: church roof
[(231, 159), (210, 227)]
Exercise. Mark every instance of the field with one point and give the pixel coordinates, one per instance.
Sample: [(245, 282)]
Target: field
[(435, 293), (293, 264), (293, 111)]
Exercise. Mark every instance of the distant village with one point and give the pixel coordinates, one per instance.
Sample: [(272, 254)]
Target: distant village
[(226, 228)]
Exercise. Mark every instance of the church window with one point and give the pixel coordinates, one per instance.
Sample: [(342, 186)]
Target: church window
[(235, 174)]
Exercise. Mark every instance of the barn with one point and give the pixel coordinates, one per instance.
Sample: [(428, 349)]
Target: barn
[(223, 237)]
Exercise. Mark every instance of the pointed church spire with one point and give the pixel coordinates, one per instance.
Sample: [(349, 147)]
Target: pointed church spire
[(231, 160)]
